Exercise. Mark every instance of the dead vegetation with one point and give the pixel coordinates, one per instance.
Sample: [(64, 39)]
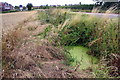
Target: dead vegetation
[(26, 56)]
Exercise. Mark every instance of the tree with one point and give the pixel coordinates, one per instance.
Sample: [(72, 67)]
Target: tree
[(20, 6), (54, 5), (24, 8), (29, 6), (106, 3), (16, 7), (79, 3), (65, 4), (106, 0)]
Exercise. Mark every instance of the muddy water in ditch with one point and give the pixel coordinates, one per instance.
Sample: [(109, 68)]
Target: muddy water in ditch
[(80, 55)]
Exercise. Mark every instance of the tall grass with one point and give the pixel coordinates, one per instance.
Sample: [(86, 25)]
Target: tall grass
[(10, 40), (87, 30), (55, 17), (100, 34)]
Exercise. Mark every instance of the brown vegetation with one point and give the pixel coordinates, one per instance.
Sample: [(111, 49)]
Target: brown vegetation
[(26, 56)]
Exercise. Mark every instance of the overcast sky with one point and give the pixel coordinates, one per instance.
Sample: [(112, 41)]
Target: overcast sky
[(44, 2)]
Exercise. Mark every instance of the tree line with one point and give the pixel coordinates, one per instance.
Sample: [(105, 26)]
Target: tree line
[(103, 5)]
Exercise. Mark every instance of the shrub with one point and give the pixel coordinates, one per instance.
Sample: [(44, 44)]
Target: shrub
[(99, 34)]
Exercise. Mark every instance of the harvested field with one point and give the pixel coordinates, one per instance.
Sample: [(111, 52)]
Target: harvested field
[(11, 20)]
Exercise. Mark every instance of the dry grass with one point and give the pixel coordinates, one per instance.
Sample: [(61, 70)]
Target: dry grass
[(14, 28), (9, 41), (25, 61)]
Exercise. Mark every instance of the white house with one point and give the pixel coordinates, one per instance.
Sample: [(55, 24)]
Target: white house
[(4, 6)]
